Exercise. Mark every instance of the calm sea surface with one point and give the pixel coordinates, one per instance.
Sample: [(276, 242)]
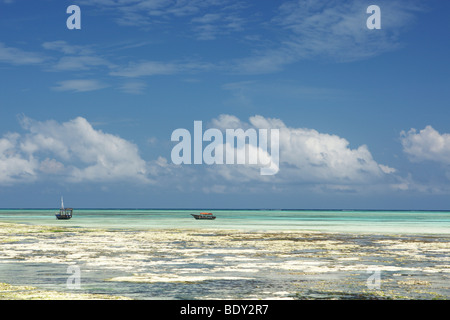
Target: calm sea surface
[(428, 222)]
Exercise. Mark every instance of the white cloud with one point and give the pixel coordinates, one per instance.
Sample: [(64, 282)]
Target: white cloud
[(76, 152), (211, 25), (73, 150), (244, 93), (79, 85), (76, 57), (427, 144), (78, 63), (51, 166), (146, 12), (152, 68), (19, 57), (82, 152), (15, 166), (207, 18), (133, 87), (66, 48), (147, 68), (326, 158), (306, 156), (227, 121)]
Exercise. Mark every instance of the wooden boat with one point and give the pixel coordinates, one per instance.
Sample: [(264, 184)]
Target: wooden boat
[(204, 216), (64, 213)]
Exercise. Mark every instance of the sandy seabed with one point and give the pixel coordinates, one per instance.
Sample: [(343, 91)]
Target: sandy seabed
[(220, 264)]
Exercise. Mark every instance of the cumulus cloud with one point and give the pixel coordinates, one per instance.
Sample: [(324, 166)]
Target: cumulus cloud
[(78, 63), (427, 144), (15, 166), (323, 157), (227, 121), (88, 154), (51, 166), (80, 153), (73, 149), (306, 156)]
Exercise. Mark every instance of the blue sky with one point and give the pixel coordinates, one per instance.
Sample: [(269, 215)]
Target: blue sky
[(88, 114)]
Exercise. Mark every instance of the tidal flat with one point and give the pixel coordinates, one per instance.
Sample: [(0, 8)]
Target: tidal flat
[(220, 264)]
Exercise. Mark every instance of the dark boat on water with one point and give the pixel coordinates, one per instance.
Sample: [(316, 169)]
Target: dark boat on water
[(204, 216), (64, 213)]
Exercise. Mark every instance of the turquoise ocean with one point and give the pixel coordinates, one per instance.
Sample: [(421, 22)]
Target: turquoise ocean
[(354, 221)]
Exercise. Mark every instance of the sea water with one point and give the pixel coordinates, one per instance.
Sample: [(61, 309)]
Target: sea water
[(354, 221)]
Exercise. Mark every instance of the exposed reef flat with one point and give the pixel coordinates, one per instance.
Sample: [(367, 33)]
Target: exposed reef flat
[(222, 264), (10, 292)]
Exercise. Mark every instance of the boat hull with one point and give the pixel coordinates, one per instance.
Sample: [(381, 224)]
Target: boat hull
[(60, 217), (203, 217)]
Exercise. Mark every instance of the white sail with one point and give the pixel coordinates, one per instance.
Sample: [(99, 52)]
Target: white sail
[(62, 203)]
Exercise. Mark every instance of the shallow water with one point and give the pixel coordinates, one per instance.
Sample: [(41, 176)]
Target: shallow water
[(400, 222)]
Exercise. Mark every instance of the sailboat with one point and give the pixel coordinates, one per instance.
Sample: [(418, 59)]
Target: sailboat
[(64, 213)]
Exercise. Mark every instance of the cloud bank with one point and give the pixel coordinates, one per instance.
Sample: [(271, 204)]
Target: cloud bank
[(72, 150), (78, 153), (307, 157)]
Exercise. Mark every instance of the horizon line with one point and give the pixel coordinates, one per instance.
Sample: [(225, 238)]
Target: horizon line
[(230, 209)]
